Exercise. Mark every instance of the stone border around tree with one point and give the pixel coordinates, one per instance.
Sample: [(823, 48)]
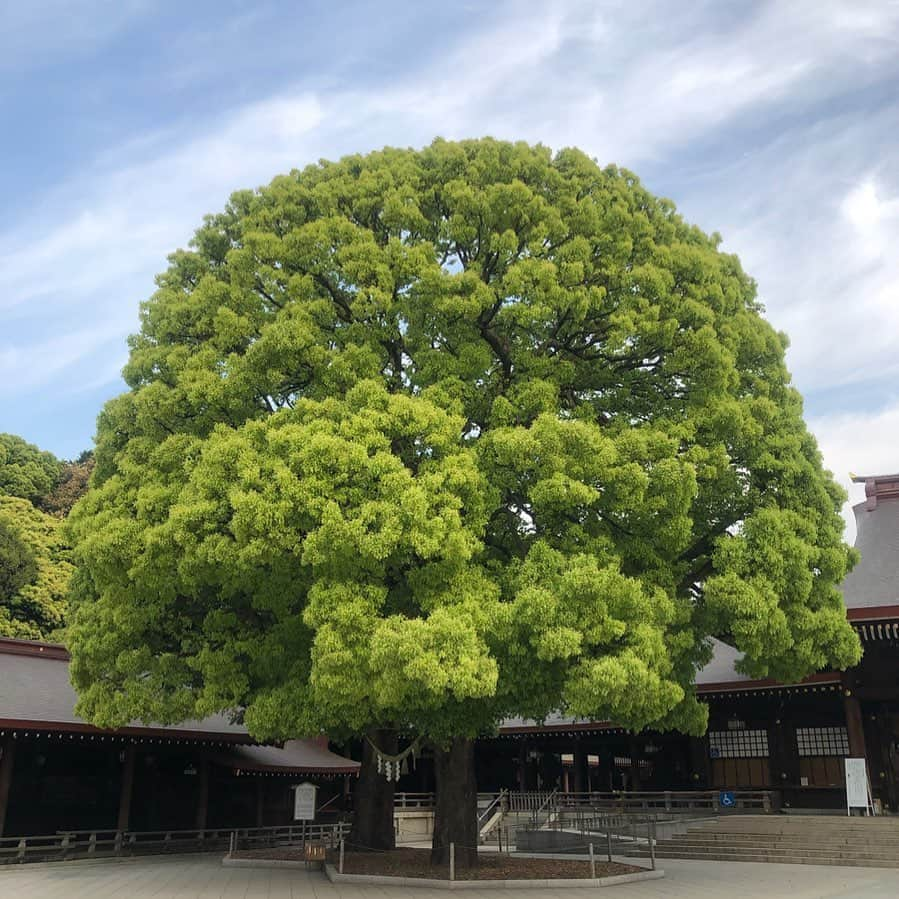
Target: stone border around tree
[(385, 880)]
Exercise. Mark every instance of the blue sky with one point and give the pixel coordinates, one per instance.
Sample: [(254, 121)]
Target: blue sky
[(125, 121)]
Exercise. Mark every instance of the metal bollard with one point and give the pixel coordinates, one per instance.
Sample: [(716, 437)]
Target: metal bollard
[(340, 860), (452, 861), (592, 863), (650, 832), (609, 839)]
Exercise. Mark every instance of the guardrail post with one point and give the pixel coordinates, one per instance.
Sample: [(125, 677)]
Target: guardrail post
[(117, 844), (21, 847), (231, 843), (92, 844), (340, 860), (65, 845), (452, 861)]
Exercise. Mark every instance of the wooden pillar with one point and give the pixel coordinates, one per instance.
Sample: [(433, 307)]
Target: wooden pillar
[(126, 788), (700, 763), (636, 774), (522, 764), (203, 798), (260, 801), (8, 759), (855, 728), (580, 765)]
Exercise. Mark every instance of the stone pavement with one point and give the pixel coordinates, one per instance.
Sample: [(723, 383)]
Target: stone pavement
[(203, 877)]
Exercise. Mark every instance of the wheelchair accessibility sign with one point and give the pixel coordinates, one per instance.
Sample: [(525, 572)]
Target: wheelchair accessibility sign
[(726, 799)]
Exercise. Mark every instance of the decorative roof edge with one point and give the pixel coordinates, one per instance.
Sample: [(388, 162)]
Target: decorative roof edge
[(12, 646)]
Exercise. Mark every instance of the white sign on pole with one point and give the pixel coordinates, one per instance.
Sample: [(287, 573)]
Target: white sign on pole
[(304, 802), (856, 784)]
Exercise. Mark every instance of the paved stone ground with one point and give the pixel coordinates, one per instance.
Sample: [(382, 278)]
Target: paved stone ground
[(203, 877)]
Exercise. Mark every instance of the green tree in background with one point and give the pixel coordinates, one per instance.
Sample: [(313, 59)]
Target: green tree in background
[(420, 440), (71, 485), (18, 567), (32, 603), (25, 470)]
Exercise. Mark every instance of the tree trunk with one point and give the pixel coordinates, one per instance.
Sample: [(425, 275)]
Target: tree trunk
[(373, 819), (456, 811)]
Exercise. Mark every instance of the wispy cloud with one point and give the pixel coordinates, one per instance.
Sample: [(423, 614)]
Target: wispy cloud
[(43, 31), (773, 123)]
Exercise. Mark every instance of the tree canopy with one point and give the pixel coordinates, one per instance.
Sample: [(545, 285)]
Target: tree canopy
[(434, 437), (25, 470), (18, 566), (71, 484), (35, 569)]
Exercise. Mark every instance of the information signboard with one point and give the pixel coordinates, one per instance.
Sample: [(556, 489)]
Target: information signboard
[(856, 784), (304, 802)]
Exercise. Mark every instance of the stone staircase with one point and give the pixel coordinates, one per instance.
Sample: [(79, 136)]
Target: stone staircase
[(801, 840)]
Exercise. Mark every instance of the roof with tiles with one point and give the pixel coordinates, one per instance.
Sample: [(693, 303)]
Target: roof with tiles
[(36, 695)]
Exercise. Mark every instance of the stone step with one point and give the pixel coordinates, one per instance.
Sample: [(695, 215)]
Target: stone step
[(873, 825), (843, 852), (790, 839), (776, 827), (805, 821), (765, 857), (873, 834)]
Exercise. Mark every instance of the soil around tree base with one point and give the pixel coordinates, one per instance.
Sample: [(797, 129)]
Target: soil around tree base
[(408, 862)]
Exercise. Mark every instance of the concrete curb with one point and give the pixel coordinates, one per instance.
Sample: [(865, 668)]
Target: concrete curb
[(552, 883)]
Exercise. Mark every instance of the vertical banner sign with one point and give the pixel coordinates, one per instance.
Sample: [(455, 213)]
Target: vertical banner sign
[(856, 784), (304, 802)]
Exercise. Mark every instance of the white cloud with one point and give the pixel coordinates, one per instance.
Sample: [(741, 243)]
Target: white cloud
[(874, 218), (811, 210), (859, 443), (27, 367)]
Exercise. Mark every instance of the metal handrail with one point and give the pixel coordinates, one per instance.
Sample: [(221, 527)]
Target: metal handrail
[(550, 802), (486, 814)]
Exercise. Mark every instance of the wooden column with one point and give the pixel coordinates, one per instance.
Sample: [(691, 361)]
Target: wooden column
[(260, 801), (126, 788), (700, 763), (580, 765), (523, 764), (203, 797), (636, 775), (855, 728), (8, 747)]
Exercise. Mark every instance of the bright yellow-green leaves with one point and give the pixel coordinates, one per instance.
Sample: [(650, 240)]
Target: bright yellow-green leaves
[(427, 438), (36, 609), (25, 470)]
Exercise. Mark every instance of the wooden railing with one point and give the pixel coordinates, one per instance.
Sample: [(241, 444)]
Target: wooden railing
[(528, 800), (97, 843), (413, 800), (669, 800)]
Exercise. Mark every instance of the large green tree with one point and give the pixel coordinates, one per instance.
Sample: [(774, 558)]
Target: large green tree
[(25, 470), (423, 439), (35, 569)]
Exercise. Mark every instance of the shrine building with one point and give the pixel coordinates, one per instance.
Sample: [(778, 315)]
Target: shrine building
[(57, 772), (789, 739)]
